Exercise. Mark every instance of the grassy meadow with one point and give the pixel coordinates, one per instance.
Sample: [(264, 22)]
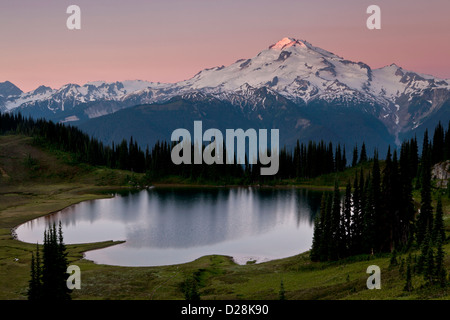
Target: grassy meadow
[(36, 181)]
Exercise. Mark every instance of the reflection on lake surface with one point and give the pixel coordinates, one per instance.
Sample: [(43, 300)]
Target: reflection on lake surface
[(170, 226)]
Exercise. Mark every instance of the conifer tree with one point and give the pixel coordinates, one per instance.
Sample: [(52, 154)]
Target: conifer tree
[(424, 254), (362, 211), (356, 218), (48, 281), (344, 160), (438, 148), (440, 270), (363, 155), (335, 243), (387, 211), (368, 233), (377, 216), (33, 292), (408, 285), (414, 157), (429, 271), (338, 159), (355, 156), (63, 263), (396, 218), (406, 210), (318, 232), (325, 252), (54, 267), (347, 236), (425, 217), (38, 273), (438, 229)]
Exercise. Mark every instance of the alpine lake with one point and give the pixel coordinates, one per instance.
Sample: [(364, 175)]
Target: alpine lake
[(166, 226)]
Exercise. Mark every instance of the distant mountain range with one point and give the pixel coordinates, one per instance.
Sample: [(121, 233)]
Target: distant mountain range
[(305, 91)]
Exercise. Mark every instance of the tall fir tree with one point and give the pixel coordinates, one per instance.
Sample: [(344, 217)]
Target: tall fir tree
[(438, 147), (414, 156), (355, 156), (378, 218), (408, 285), (425, 217), (34, 285), (407, 210), (426, 245), (429, 272), (385, 220), (356, 218), (367, 204), (344, 160), (363, 154), (318, 231), (438, 228), (396, 218), (325, 252), (347, 232), (336, 242), (48, 281), (440, 270)]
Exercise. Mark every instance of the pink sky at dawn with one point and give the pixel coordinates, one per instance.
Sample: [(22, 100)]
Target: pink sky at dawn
[(170, 41)]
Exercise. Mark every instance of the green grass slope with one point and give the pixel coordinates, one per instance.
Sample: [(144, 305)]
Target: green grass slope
[(35, 181)]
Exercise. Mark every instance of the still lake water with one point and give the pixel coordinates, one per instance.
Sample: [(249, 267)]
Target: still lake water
[(163, 226)]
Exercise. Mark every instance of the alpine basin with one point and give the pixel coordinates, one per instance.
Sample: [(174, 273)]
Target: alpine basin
[(164, 226)]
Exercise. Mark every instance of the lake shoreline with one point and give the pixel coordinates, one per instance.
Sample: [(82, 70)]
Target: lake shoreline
[(107, 193), (266, 186)]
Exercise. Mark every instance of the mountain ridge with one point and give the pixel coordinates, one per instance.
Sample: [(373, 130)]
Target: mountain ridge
[(290, 69)]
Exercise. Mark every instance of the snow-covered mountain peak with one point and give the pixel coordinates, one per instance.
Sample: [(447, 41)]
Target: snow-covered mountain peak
[(95, 83), (41, 90), (289, 70), (301, 47), (288, 42)]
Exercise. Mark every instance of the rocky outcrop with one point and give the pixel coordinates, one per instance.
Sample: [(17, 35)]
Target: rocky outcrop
[(441, 173)]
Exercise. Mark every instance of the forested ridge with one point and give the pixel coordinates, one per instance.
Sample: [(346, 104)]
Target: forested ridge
[(378, 213), (303, 161)]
